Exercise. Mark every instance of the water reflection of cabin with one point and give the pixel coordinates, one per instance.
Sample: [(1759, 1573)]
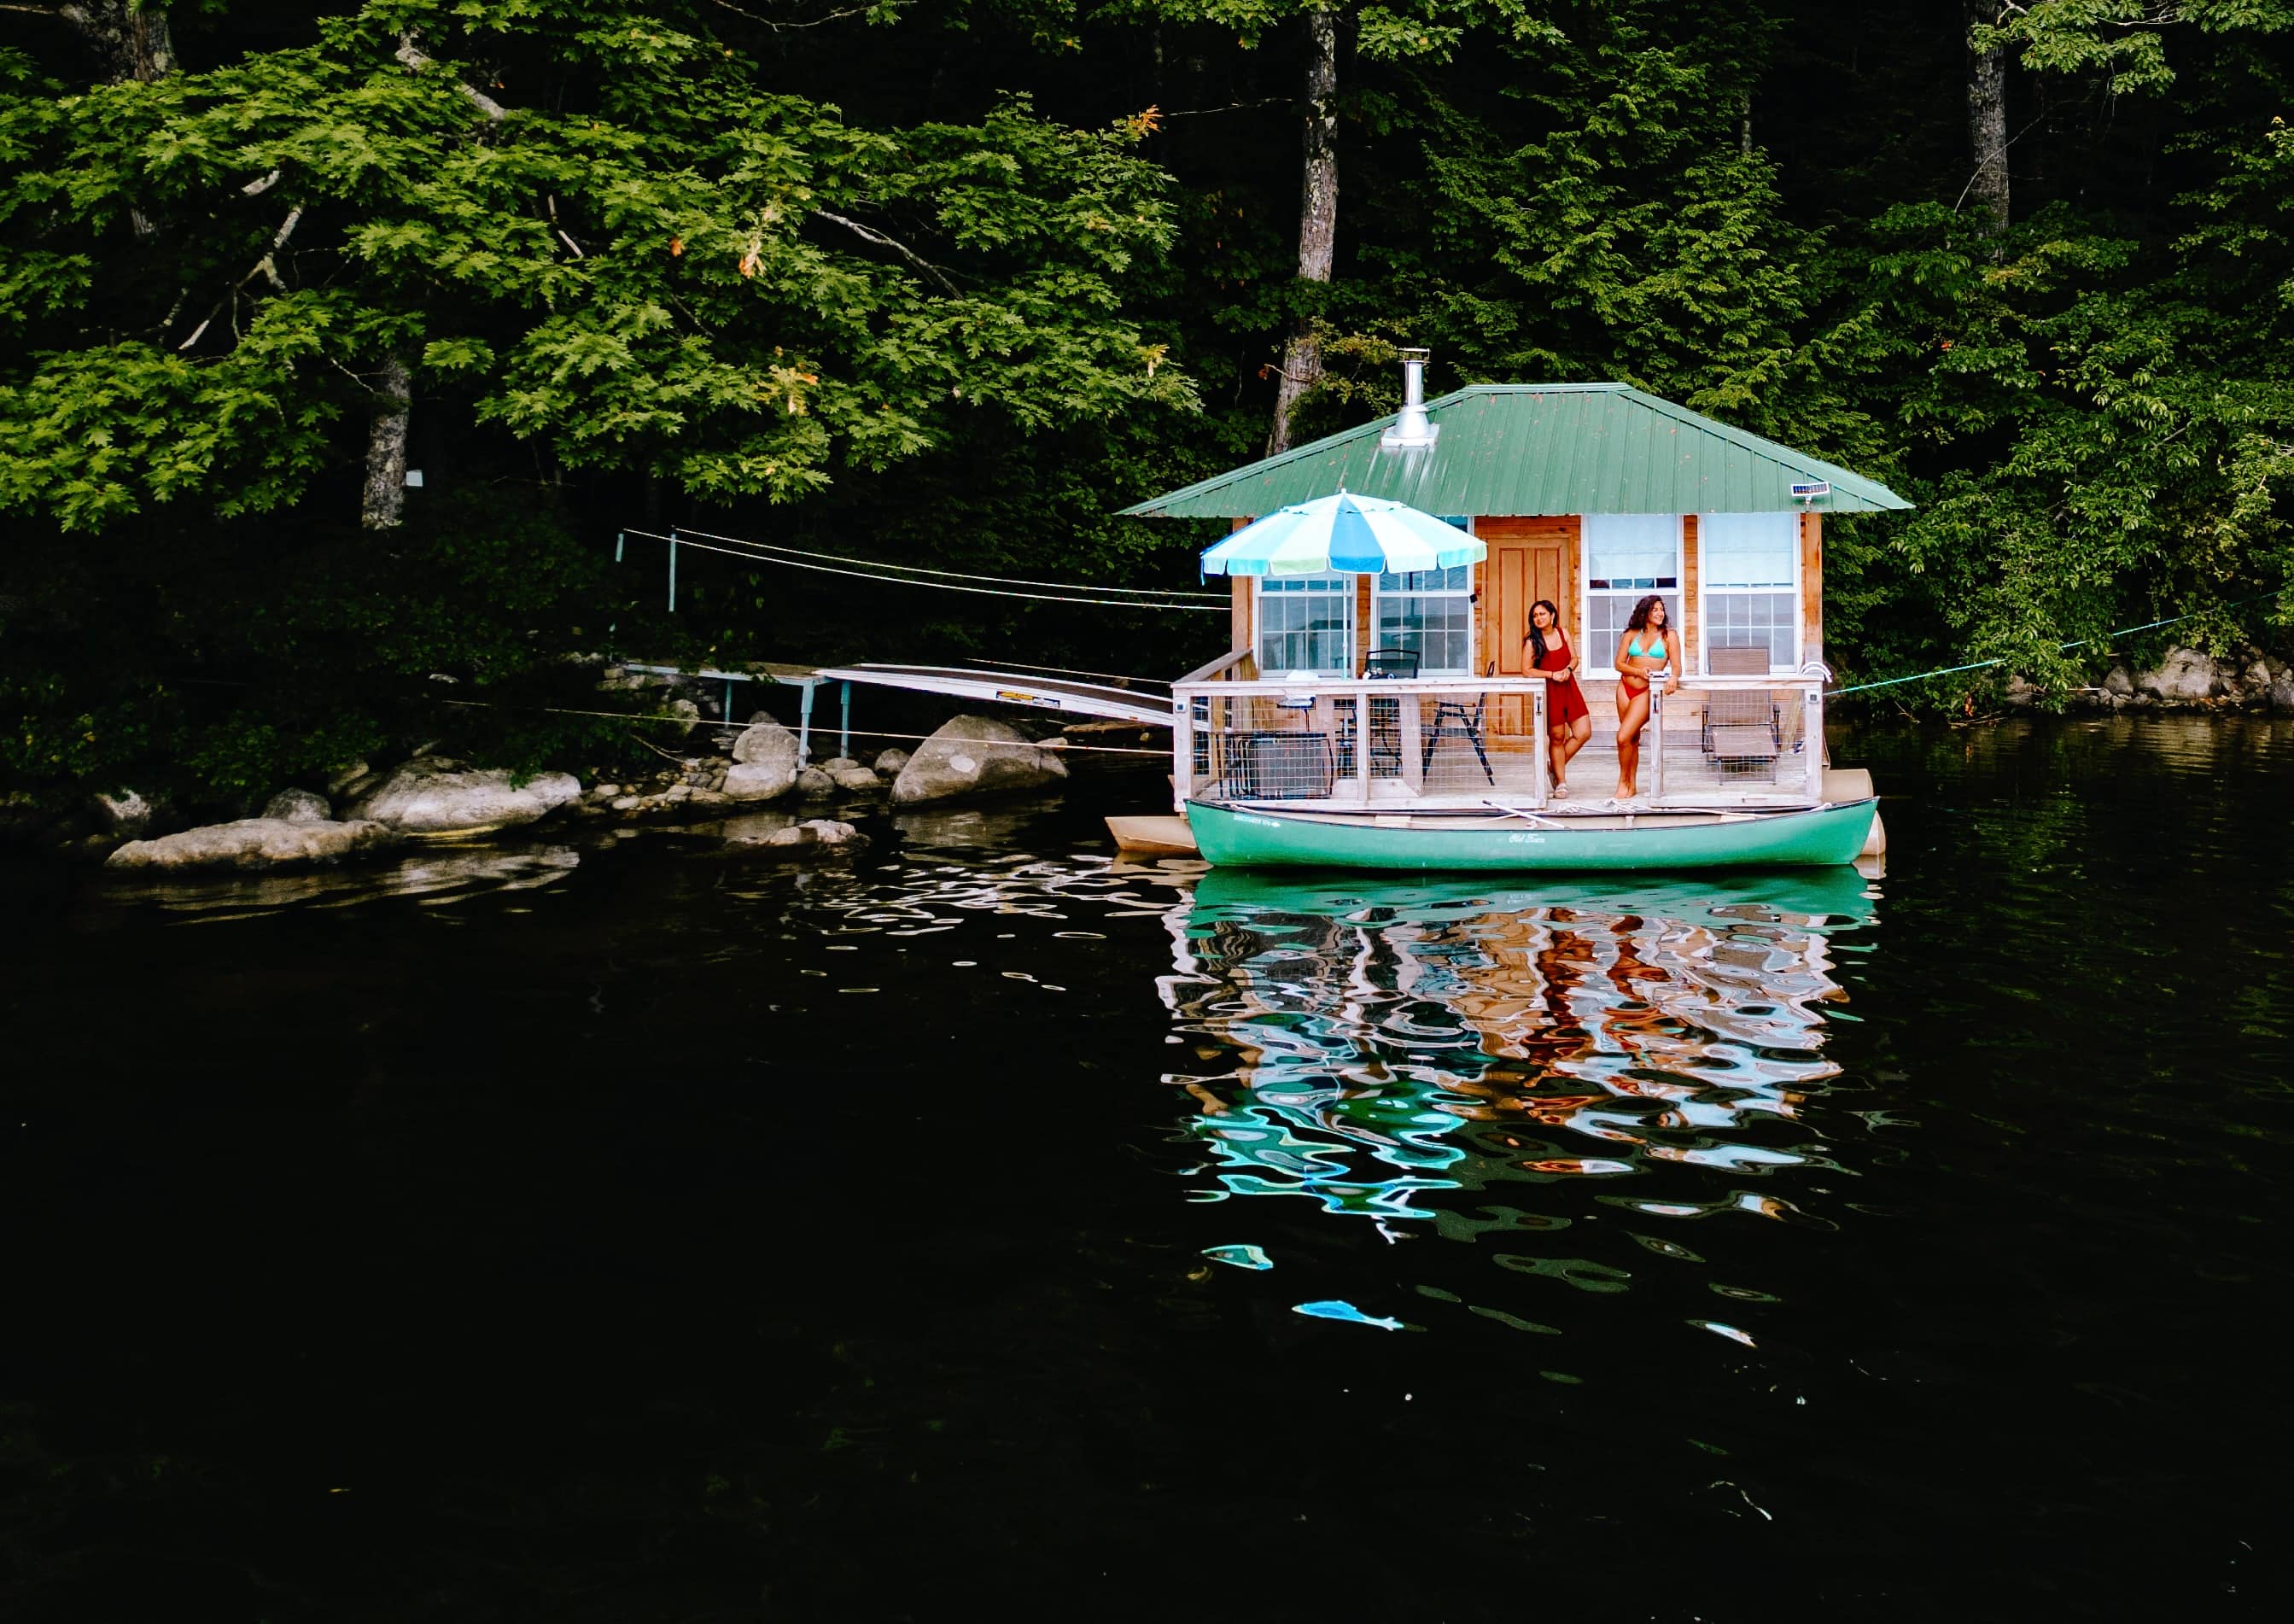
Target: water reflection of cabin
[(1590, 495)]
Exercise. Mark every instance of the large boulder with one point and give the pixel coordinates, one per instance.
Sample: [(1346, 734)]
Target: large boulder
[(253, 842), (758, 782), (767, 743), (2184, 677), (298, 806), (436, 797), (974, 756), (765, 762)]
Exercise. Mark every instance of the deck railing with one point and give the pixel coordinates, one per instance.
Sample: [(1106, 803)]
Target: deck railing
[(1371, 742), (1388, 744), (1741, 737)]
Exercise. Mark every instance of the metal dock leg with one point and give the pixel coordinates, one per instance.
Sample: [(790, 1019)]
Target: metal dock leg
[(844, 727), (804, 722)]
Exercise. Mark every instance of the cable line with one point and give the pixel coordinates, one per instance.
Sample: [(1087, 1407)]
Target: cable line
[(2077, 642), (937, 586), (943, 586), (838, 558)]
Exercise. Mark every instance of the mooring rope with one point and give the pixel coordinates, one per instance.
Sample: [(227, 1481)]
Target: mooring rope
[(2077, 642), (755, 551)]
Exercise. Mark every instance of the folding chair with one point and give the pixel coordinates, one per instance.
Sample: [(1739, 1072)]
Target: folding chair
[(1452, 720), (1743, 728)]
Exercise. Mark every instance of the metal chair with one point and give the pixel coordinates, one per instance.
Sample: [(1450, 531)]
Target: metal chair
[(1452, 720), (1743, 728), (1392, 665)]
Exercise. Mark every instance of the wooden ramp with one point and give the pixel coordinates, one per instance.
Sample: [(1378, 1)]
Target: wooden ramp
[(1141, 705)]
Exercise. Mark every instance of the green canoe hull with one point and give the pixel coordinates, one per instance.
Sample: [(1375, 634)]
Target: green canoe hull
[(1256, 837)]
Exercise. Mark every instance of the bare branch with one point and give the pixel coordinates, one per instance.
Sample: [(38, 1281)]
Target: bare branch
[(416, 62), (266, 267), (786, 28), (552, 199), (256, 188), (1233, 107), (872, 235)]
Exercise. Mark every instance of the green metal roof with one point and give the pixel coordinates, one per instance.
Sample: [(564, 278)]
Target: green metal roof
[(1522, 449)]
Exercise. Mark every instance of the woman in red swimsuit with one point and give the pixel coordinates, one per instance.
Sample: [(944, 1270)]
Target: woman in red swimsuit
[(1568, 720)]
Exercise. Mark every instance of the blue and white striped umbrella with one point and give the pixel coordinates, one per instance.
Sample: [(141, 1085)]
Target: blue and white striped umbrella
[(1353, 535)]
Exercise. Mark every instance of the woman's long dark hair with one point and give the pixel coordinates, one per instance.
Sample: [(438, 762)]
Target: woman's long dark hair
[(1536, 637), (1640, 621)]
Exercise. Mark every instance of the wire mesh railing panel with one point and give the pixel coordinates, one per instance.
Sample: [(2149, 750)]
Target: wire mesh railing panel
[(1478, 743), (1378, 742), (1749, 738)]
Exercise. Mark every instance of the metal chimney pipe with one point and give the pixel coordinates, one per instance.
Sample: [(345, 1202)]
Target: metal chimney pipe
[(1411, 429)]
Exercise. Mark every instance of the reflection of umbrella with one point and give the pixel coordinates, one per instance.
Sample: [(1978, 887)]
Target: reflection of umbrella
[(1356, 534)]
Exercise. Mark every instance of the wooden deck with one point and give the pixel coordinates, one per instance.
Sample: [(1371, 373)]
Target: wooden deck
[(1454, 744)]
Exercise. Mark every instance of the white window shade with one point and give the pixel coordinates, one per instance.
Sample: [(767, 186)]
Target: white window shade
[(1628, 551), (1751, 549)]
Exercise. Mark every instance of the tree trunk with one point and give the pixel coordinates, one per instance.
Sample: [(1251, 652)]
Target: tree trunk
[(385, 449), (1317, 215), (1987, 125), (131, 42)]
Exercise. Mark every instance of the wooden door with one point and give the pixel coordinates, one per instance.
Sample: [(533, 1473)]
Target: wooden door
[(1529, 559)]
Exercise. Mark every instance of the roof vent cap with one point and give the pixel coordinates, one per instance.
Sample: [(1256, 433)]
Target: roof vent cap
[(1411, 429)]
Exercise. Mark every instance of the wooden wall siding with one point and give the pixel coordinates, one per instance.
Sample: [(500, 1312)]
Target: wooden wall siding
[(1811, 587), (1238, 627), (1690, 630)]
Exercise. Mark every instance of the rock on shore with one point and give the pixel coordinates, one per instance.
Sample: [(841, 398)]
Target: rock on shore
[(2183, 679), (974, 756), (254, 843), (431, 796), (299, 806)]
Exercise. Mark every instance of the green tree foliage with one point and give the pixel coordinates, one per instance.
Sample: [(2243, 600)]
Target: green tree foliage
[(948, 281)]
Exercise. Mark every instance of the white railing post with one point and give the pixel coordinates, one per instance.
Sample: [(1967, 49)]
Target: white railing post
[(1540, 747), (1812, 740), (1182, 749), (1361, 742), (1657, 732)]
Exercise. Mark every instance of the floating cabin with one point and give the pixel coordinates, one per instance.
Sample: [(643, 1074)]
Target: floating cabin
[(1589, 495)]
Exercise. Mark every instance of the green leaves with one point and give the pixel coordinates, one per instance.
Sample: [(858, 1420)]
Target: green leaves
[(661, 269)]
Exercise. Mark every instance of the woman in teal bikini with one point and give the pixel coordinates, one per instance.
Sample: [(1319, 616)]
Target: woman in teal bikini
[(1646, 648)]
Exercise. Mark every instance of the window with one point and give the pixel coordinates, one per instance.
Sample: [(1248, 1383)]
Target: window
[(1431, 613), (1306, 623), (1628, 556), (1748, 564)]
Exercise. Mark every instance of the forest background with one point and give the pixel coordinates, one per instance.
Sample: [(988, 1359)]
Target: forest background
[(946, 282)]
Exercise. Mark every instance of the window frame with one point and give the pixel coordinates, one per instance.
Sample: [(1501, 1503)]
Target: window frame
[(1596, 664), (1348, 595), (1467, 592), (1706, 591)]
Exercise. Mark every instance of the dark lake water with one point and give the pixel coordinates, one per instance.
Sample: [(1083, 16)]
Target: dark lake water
[(605, 1229)]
